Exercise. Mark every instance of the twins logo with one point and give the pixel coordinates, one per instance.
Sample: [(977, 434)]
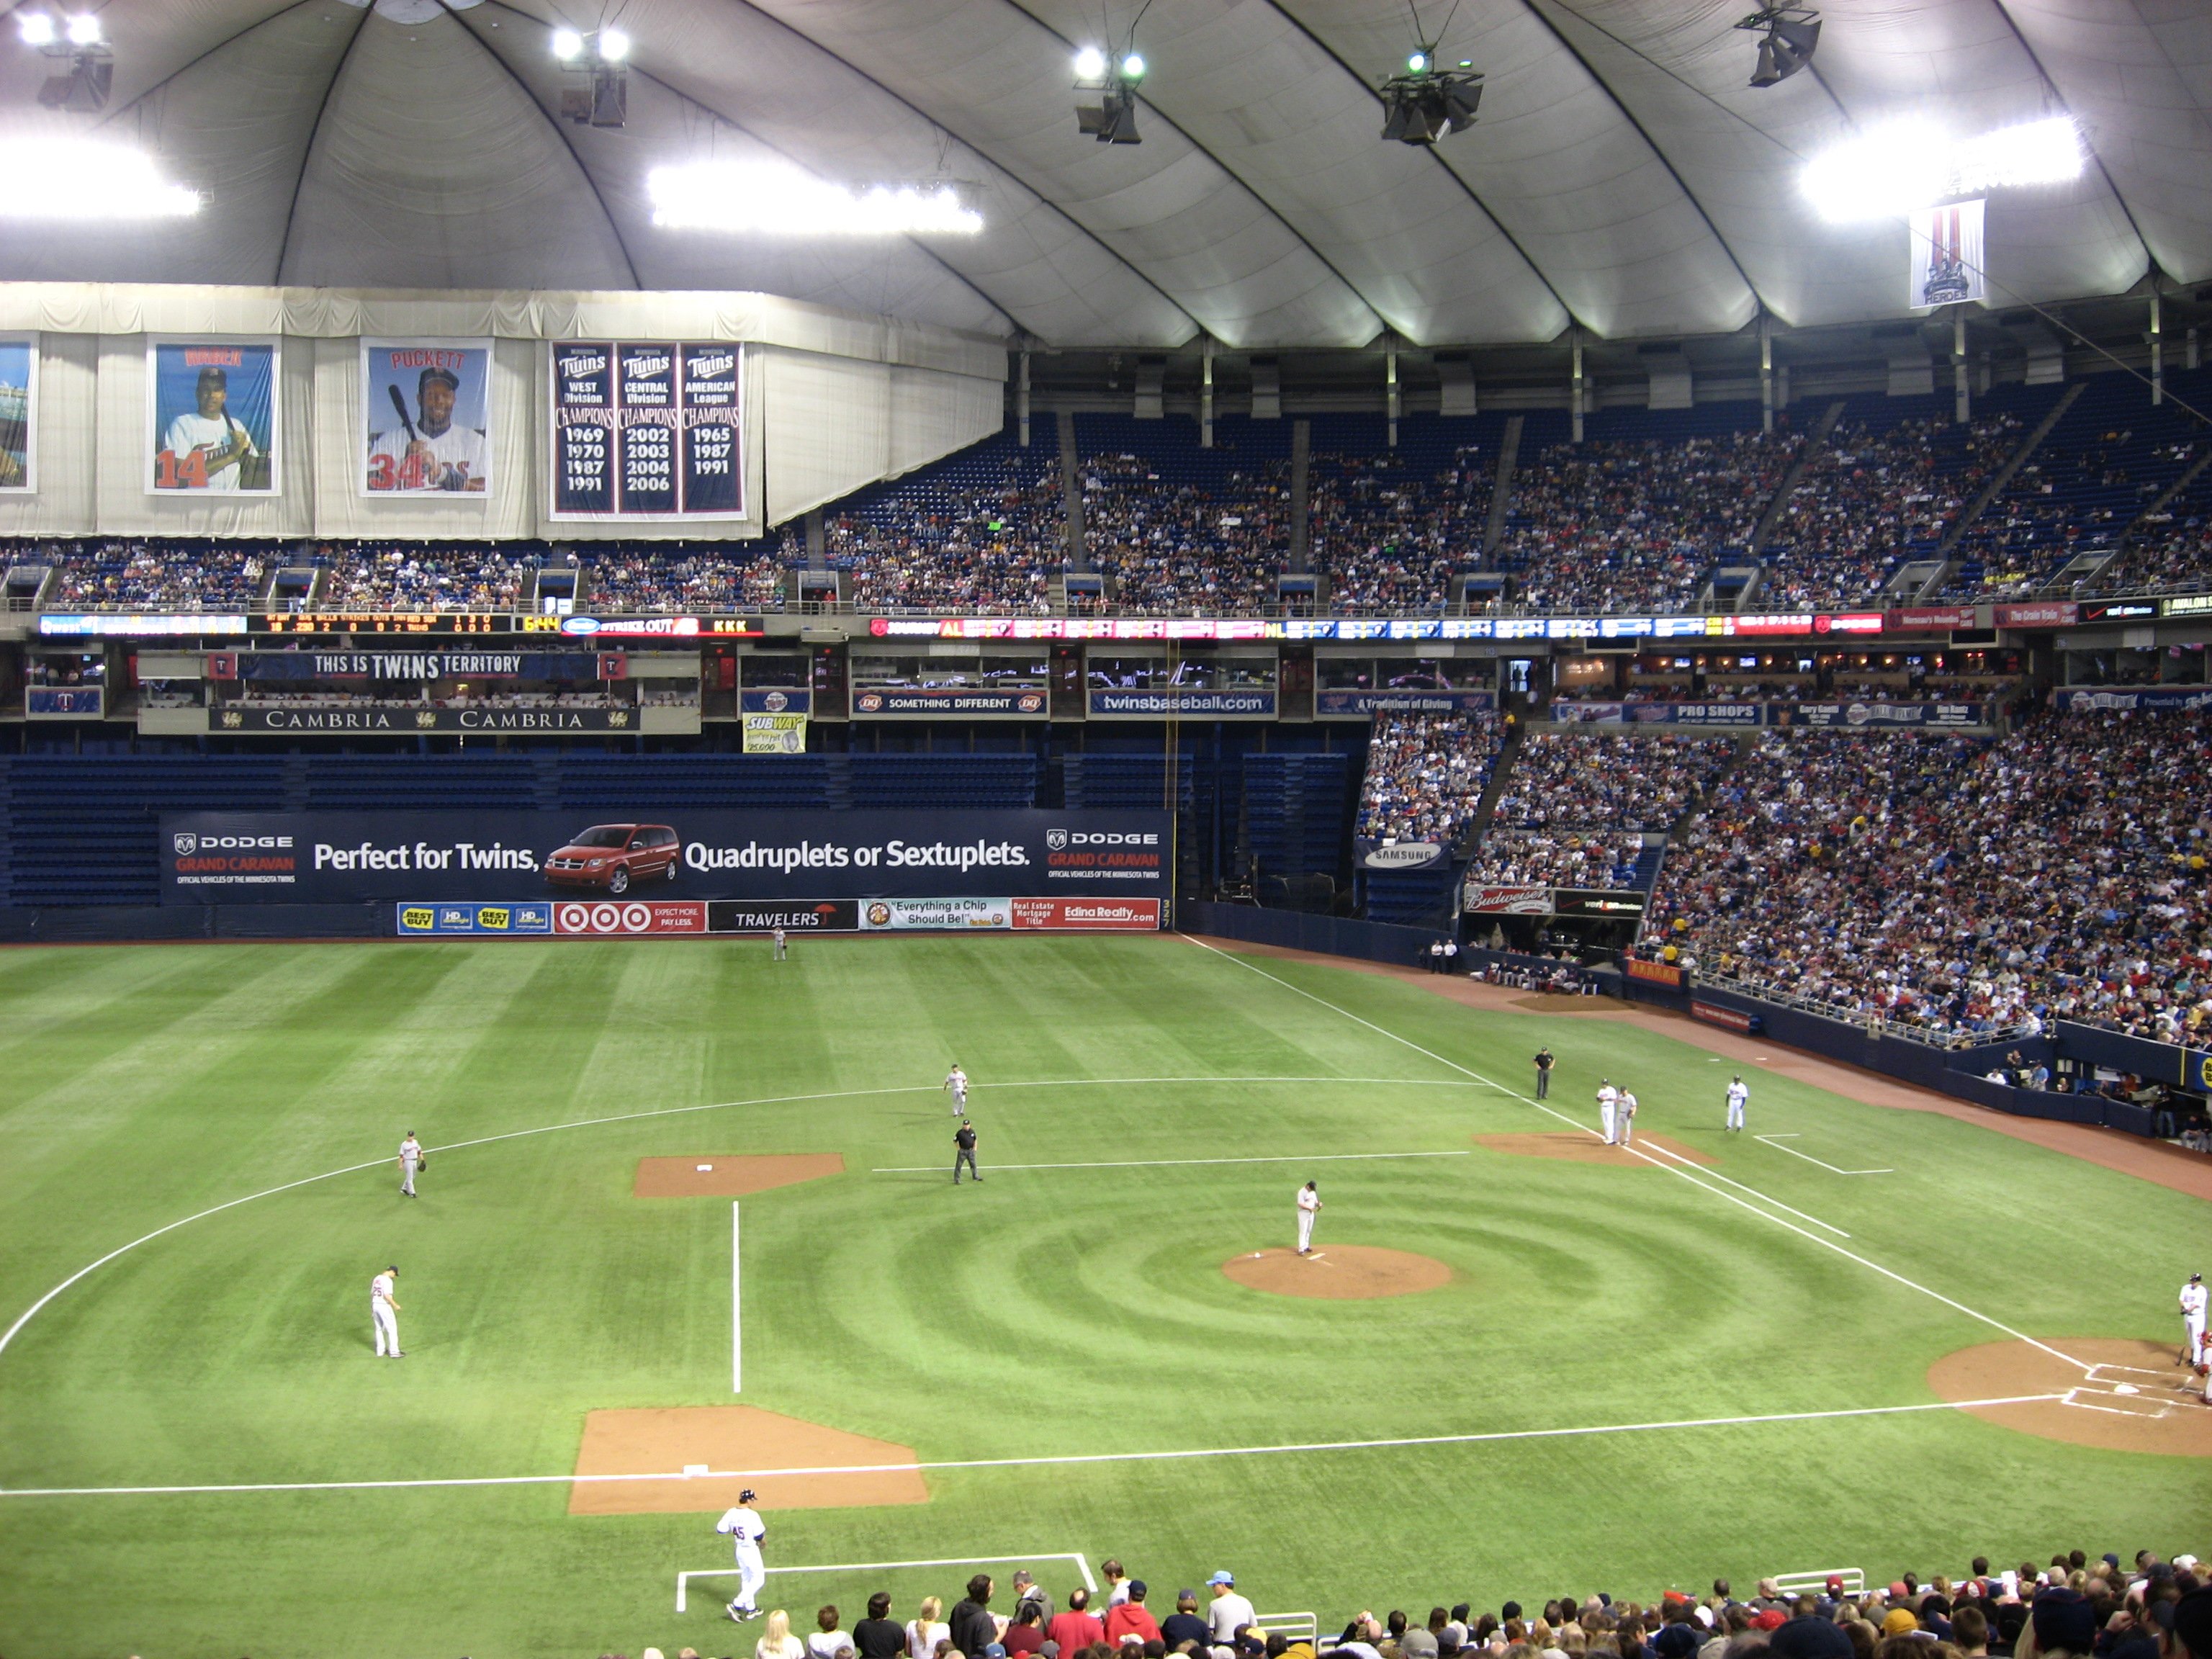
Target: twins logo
[(185, 842)]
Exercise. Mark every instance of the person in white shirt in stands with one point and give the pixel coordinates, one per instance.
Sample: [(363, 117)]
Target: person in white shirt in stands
[(1230, 1611), (927, 1630), (1737, 1094), (383, 1312), (1117, 1582), (1625, 1116), (956, 1084), (1608, 1101), (827, 1640)]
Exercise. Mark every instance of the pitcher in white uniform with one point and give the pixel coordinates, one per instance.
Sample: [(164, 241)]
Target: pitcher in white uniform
[(383, 1312), (1608, 1098), (746, 1530), (1309, 1207), (2192, 1320)]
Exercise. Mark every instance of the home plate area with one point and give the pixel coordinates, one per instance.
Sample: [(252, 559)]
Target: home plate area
[(779, 1457)]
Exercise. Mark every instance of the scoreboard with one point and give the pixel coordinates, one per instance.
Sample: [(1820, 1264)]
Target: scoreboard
[(647, 430)]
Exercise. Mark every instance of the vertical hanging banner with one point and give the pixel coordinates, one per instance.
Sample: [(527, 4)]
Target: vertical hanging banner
[(1946, 255), (211, 417), (644, 430), (18, 396), (425, 414)]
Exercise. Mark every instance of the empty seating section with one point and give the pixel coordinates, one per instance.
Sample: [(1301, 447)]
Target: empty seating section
[(671, 782), (962, 783), (1294, 811), (83, 829)]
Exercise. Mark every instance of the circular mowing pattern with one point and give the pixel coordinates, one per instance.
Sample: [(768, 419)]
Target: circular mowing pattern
[(1339, 1272)]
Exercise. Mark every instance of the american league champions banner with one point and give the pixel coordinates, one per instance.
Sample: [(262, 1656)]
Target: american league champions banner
[(211, 416), (426, 413)]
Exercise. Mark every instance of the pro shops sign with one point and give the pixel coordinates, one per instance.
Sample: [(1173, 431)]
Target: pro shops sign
[(772, 858)]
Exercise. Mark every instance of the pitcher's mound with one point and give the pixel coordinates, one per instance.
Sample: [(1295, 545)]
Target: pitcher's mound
[(1339, 1272), (727, 1174), (1578, 1148), (789, 1463), (2136, 1399)]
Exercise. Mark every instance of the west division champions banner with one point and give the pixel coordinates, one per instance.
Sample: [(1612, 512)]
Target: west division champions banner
[(1946, 255), (211, 417), (19, 372), (426, 410), (646, 431), (337, 857)]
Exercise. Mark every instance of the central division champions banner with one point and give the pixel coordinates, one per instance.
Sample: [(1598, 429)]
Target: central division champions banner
[(19, 370), (417, 857), (211, 417), (647, 430), (426, 408)]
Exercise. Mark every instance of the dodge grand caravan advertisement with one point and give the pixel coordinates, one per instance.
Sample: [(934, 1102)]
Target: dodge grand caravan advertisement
[(337, 858)]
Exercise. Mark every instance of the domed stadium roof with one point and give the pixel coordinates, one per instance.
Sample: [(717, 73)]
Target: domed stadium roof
[(1622, 176)]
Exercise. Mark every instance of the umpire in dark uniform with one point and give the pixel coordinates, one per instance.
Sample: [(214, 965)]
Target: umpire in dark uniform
[(963, 1152), (1544, 1064)]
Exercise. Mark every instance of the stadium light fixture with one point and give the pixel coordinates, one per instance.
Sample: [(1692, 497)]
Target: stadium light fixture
[(1792, 33), (87, 180), (84, 30), (614, 46), (1426, 102), (36, 28), (1089, 65), (1133, 67), (1113, 118), (599, 95), (83, 85), (1890, 170), (568, 46), (770, 198)]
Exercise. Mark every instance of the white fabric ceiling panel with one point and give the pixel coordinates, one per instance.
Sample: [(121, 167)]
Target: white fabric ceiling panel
[(2140, 77), (432, 168), (999, 79)]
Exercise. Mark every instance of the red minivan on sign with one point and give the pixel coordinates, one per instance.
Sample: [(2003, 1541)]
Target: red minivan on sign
[(617, 856)]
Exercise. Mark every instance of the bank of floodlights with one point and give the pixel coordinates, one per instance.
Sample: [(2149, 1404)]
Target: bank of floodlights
[(1113, 118), (83, 85), (1427, 101), (1790, 34), (600, 96)]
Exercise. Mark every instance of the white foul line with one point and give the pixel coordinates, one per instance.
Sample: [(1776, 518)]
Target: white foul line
[(737, 1316), (1763, 1197), (1672, 1169), (31, 1312), (1776, 1141), (683, 1579), (1167, 1162), (1489, 1437)]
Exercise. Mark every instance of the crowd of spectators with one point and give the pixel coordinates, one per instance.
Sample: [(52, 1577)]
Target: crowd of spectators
[(1390, 537), (1601, 526), (986, 536), (1166, 546), (656, 576), (1426, 774), (1961, 888), (1609, 780), (169, 576), (420, 576), (1596, 859), (2076, 1607)]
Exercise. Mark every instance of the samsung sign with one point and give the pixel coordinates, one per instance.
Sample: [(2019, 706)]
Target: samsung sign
[(429, 858)]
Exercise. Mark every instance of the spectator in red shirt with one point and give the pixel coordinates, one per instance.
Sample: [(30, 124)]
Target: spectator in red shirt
[(1076, 1628), (1125, 1619), (1026, 1634)]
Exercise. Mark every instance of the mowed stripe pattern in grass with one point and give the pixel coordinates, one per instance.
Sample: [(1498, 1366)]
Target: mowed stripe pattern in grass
[(1052, 1311)]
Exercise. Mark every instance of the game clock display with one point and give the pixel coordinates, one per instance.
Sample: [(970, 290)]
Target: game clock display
[(647, 431)]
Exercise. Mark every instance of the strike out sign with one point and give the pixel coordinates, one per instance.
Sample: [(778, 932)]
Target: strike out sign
[(647, 431)]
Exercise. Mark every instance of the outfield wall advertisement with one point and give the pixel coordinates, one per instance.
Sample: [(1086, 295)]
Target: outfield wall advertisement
[(637, 918), (425, 859)]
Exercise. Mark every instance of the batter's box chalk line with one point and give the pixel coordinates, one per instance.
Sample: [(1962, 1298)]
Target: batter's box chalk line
[(1082, 1566), (2125, 1405)]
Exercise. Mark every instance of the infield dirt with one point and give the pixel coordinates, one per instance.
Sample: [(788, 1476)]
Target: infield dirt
[(778, 1457), (1339, 1272), (729, 1174), (2162, 1411)]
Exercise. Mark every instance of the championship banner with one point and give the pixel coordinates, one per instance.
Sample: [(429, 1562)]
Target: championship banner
[(774, 734), (211, 416), (1508, 900), (691, 854), (647, 430), (426, 410), (1944, 260), (19, 406), (1338, 705), (928, 701)]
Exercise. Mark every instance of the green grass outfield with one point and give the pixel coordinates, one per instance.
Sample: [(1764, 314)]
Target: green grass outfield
[(1051, 1313)]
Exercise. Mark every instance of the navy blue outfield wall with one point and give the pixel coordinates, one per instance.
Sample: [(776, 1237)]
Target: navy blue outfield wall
[(1295, 930), (116, 923)]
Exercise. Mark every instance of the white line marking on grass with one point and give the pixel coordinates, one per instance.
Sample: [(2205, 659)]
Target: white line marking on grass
[(1491, 1436), (1715, 1175), (1672, 1169), (1776, 1141), (29, 1313), (1167, 1162), (1082, 1566), (736, 1312)]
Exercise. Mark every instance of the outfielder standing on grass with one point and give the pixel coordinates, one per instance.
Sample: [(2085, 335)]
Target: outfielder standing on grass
[(746, 1530), (956, 1084), (383, 1312), (1737, 1094), (410, 1159)]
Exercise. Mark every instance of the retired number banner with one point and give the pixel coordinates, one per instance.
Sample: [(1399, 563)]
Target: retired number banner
[(426, 408), (211, 417), (19, 394), (647, 430)]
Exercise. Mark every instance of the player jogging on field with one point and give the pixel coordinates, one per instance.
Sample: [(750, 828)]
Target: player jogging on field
[(209, 429), (956, 1084), (1625, 1116), (383, 1312), (410, 1159), (436, 454), (2192, 1322), (1737, 1094), (746, 1530), (1309, 1208), (1608, 1101)]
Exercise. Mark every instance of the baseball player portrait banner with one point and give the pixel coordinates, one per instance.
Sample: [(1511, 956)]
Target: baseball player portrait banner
[(426, 416), (211, 416), (18, 396), (644, 430)]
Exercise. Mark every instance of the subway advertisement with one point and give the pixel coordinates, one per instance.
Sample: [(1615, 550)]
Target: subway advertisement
[(525, 861)]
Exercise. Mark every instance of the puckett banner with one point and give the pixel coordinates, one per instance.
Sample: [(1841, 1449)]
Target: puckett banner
[(647, 430), (426, 408), (430, 858), (1359, 704)]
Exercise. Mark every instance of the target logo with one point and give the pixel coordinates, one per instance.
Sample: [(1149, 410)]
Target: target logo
[(617, 919)]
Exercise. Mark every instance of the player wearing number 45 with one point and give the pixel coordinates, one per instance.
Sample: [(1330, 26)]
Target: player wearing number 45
[(427, 452), (383, 1312), (1737, 1094), (746, 1529)]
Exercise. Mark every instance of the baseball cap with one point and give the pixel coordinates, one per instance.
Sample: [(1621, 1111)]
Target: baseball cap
[(433, 372), (1901, 1621), (1770, 1619), (1139, 1587), (1227, 1579), (1835, 1584), (212, 372), (2193, 1622), (1675, 1641), (994, 1651), (2064, 1619)]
